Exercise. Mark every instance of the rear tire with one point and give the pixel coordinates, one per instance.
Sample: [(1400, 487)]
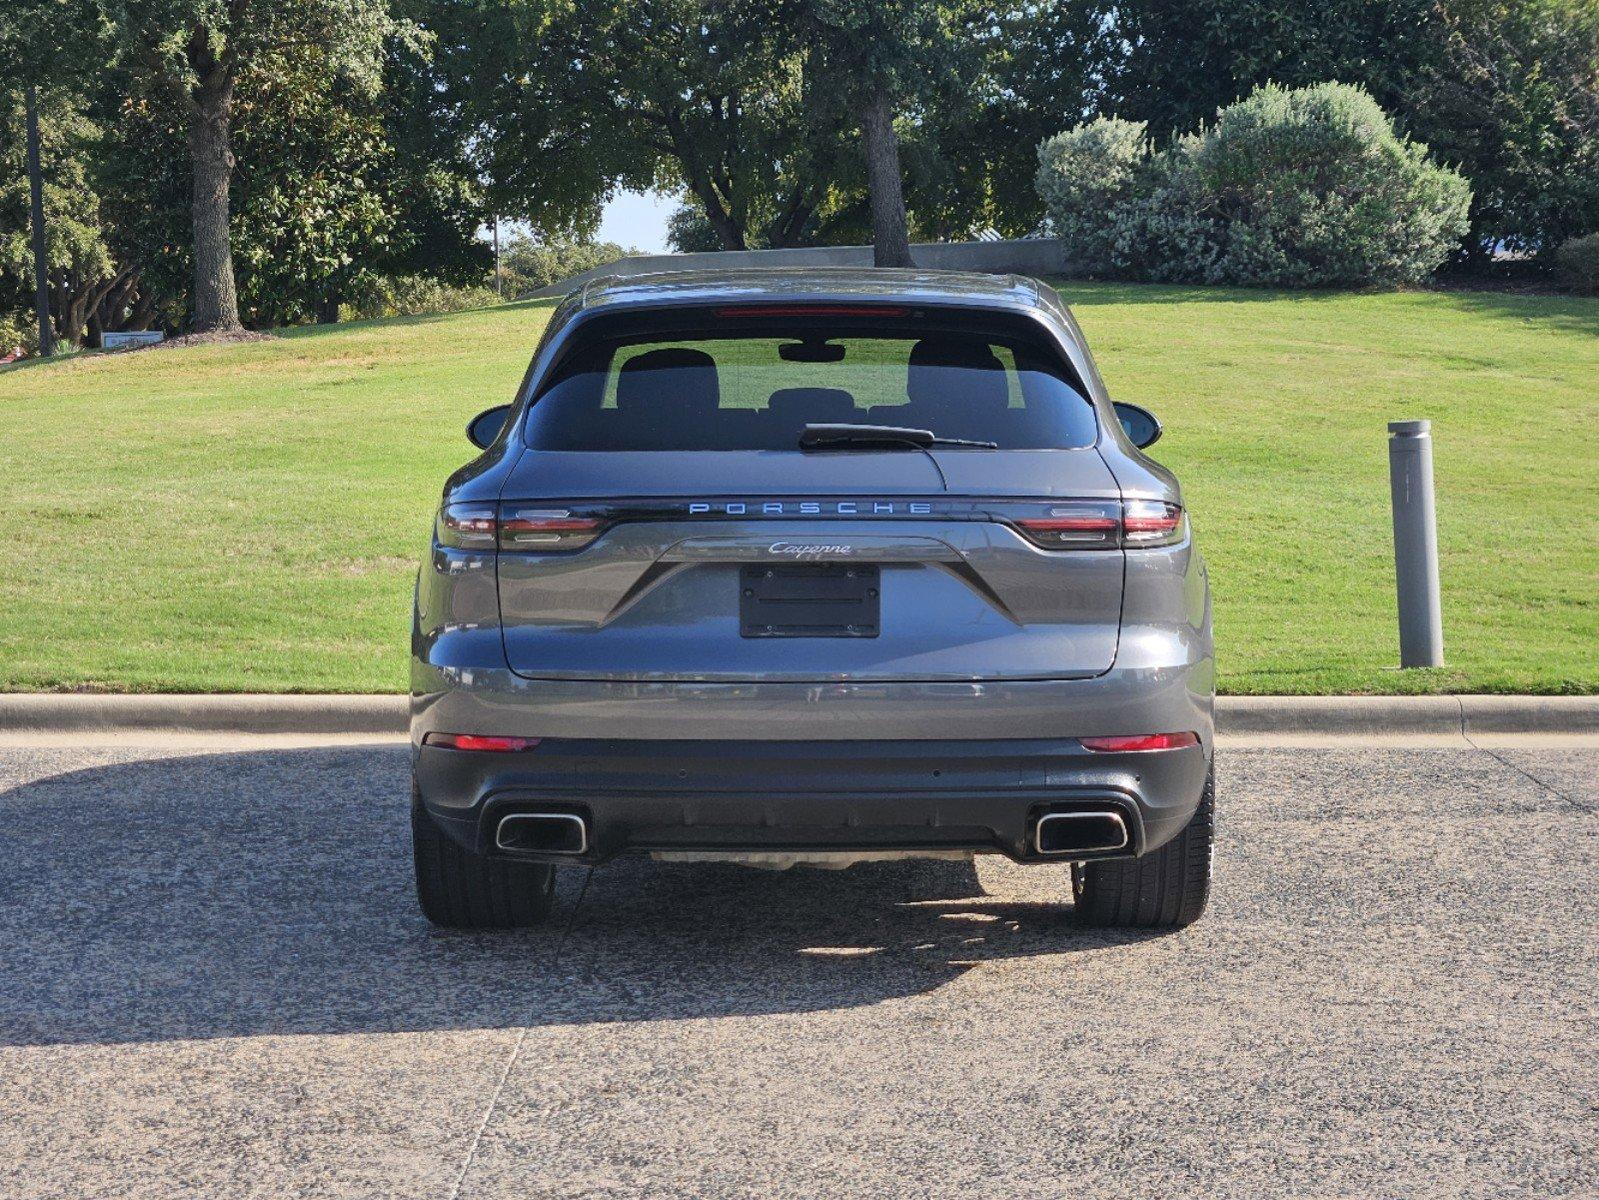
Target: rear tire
[(1165, 889), (461, 890)]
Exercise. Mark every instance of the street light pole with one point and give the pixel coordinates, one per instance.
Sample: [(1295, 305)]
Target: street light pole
[(499, 289), (41, 277)]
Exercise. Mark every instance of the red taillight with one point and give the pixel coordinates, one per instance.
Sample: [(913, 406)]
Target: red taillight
[(1104, 525), (545, 529), (1084, 523), (540, 530), (1140, 741), (468, 526), (812, 310), (1151, 523), (1079, 524), (480, 741)]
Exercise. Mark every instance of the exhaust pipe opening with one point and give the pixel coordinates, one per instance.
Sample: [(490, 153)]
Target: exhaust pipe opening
[(1081, 832), (542, 833)]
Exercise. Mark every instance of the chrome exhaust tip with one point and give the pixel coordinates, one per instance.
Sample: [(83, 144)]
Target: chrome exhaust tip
[(1066, 833), (542, 833)]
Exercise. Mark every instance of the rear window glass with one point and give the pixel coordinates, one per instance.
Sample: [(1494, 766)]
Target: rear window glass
[(756, 390)]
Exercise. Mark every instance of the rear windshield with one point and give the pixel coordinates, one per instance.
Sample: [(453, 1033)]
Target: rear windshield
[(756, 389)]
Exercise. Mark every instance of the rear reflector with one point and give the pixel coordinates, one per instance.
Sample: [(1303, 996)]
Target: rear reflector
[(1140, 741), (480, 741)]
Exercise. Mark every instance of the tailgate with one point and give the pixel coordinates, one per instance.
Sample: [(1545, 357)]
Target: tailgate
[(859, 568)]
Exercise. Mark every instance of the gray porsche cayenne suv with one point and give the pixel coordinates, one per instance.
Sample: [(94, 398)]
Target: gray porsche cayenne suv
[(812, 567)]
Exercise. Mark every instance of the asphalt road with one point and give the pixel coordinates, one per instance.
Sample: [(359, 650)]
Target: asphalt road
[(214, 982)]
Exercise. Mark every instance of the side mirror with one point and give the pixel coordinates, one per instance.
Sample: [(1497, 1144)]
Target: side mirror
[(485, 427), (1140, 425)]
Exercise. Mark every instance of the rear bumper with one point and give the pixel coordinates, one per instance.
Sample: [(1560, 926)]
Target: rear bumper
[(774, 795)]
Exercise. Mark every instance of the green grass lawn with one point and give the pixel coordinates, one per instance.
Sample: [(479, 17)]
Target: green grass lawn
[(249, 517)]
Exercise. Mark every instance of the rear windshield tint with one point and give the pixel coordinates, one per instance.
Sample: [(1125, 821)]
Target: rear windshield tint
[(756, 390)]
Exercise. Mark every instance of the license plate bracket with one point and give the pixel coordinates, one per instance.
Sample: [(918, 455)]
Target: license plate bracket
[(810, 600)]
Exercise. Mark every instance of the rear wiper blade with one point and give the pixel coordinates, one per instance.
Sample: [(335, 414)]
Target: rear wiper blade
[(827, 437)]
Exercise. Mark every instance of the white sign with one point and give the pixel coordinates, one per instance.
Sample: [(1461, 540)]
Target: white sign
[(132, 337)]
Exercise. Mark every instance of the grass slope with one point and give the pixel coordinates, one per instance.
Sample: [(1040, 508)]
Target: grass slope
[(249, 517)]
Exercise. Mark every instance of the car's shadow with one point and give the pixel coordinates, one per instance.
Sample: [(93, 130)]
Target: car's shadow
[(270, 892)]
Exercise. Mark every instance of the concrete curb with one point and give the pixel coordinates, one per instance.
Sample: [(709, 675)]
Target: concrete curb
[(1408, 716), (55, 712), (1350, 716)]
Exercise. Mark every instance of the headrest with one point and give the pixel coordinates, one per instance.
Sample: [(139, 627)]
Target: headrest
[(810, 405), (955, 374), (673, 380)]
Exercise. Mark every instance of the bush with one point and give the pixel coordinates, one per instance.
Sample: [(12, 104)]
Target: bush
[(417, 295), (1302, 188), (528, 266), (18, 330), (1577, 263), (1083, 175)]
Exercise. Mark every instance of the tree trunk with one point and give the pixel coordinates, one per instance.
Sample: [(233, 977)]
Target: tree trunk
[(327, 307), (727, 229), (41, 256), (216, 299), (891, 243), (790, 225), (143, 313), (112, 310)]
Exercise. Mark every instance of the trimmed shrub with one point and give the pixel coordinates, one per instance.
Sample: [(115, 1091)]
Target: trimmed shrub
[(1290, 188), (1577, 263), (416, 295), (529, 265), (1085, 175)]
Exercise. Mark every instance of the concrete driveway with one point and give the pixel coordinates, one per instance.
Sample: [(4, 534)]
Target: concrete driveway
[(214, 982)]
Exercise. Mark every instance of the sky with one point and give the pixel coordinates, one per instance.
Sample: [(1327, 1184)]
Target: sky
[(638, 219)]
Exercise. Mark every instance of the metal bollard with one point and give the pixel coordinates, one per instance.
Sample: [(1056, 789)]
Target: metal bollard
[(1421, 623)]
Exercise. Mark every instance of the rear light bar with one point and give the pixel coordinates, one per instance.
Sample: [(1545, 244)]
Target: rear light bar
[(1104, 525), (494, 743), (1140, 742), (547, 527), (812, 310)]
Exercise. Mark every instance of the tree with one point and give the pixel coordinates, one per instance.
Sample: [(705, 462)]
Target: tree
[(432, 177), (201, 48), (867, 53), (79, 271), (710, 97), (1507, 90), (1043, 67), (1182, 60), (746, 107), (55, 44), (315, 207), (890, 58)]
